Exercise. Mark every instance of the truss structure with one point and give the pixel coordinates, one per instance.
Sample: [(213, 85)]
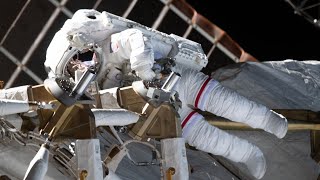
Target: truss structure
[(308, 9)]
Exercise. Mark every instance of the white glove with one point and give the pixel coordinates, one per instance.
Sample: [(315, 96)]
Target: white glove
[(145, 73)]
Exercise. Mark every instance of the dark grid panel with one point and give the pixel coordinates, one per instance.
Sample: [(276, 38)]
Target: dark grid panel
[(6, 68), (23, 79), (172, 23), (36, 62), (117, 8), (74, 5), (146, 12), (8, 13), (28, 27)]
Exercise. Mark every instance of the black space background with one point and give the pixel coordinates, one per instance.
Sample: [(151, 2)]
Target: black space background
[(268, 30)]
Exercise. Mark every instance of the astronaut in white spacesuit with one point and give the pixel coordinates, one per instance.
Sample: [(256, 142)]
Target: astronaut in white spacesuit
[(122, 48)]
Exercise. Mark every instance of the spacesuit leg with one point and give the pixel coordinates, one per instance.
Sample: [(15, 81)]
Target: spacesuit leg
[(202, 92), (205, 137)]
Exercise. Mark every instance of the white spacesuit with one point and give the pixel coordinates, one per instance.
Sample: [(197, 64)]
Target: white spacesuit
[(122, 48)]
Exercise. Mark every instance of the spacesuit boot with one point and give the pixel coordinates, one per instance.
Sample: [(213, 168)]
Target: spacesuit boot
[(205, 137), (277, 124), (256, 163)]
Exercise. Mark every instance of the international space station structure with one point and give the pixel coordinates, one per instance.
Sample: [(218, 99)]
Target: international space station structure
[(125, 101)]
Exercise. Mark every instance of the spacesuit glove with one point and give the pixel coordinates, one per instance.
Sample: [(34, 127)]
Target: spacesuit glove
[(145, 72)]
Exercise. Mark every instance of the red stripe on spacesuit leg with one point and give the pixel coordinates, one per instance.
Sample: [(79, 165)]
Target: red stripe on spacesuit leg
[(184, 122), (196, 103)]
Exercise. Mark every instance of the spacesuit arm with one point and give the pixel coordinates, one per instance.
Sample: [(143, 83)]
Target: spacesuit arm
[(202, 92), (131, 44)]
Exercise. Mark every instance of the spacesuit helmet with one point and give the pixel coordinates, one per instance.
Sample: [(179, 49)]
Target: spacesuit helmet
[(81, 35), (75, 56)]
